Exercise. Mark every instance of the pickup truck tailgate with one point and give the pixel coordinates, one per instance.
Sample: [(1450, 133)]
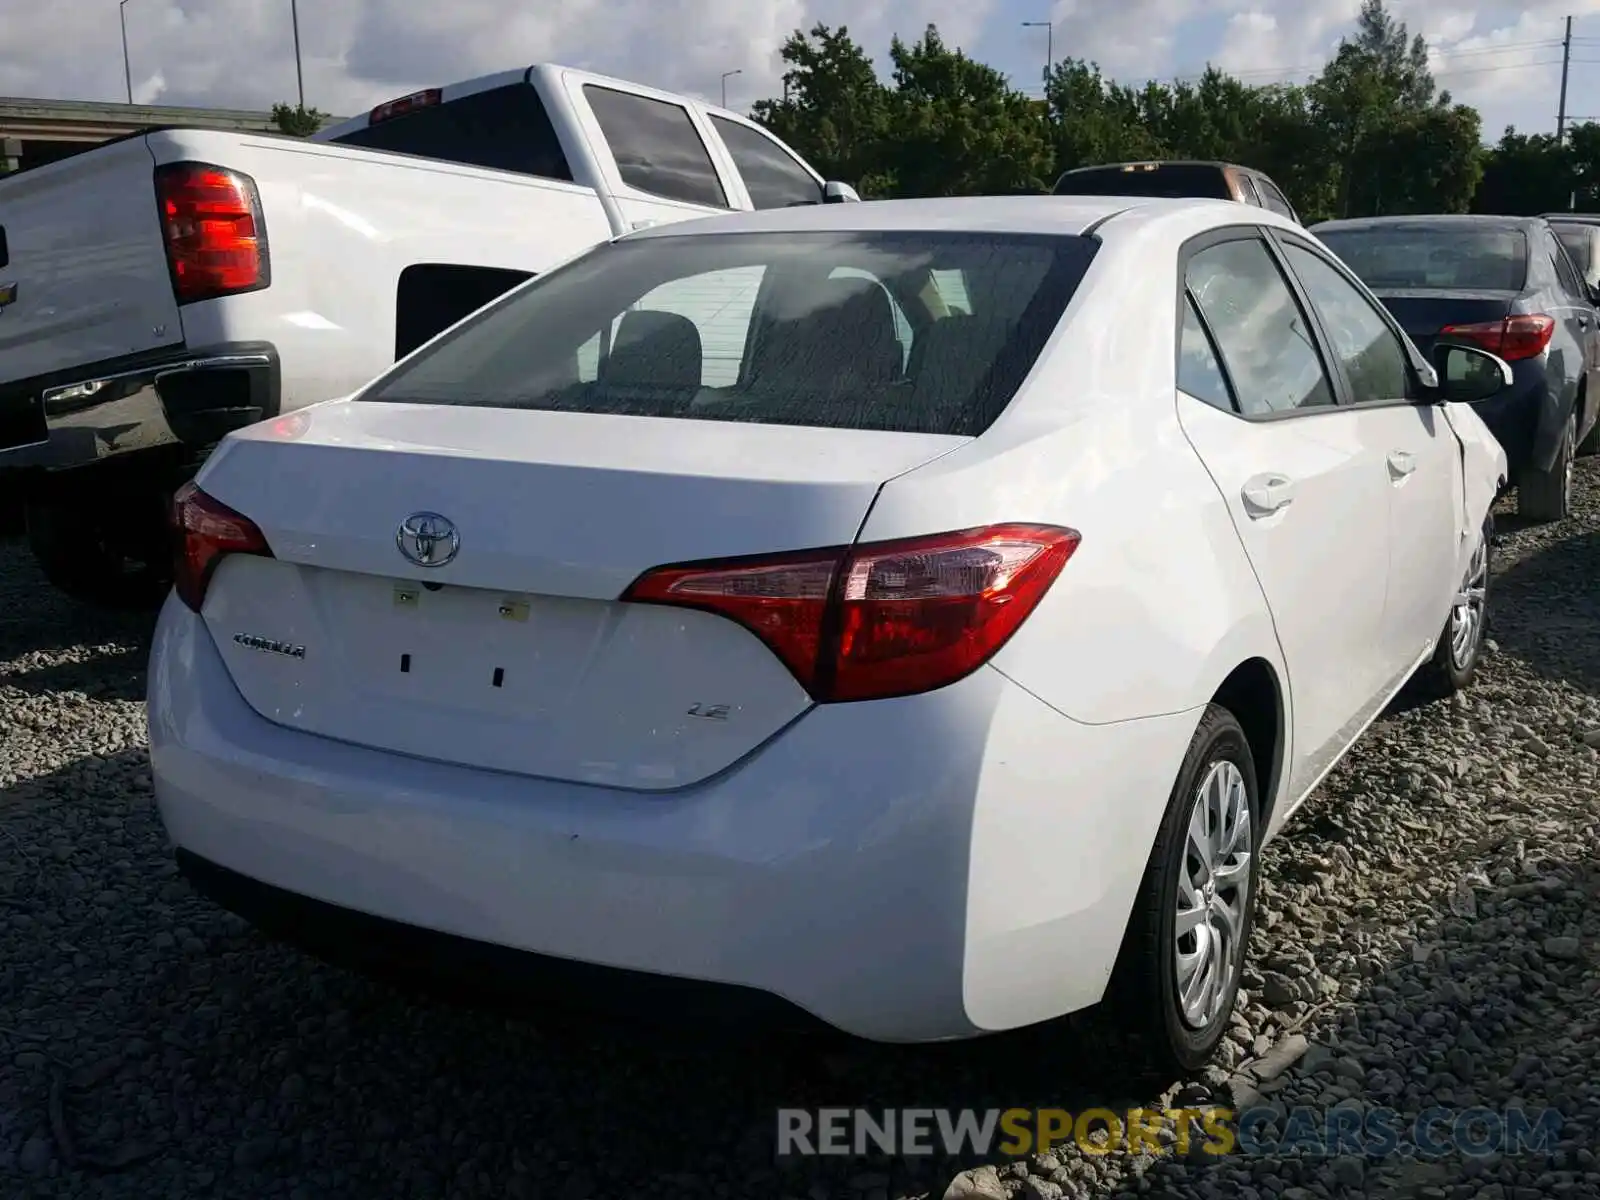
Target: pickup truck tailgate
[(87, 261)]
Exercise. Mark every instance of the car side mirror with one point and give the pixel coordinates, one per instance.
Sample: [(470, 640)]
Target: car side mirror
[(1468, 374), (1593, 290), (834, 192)]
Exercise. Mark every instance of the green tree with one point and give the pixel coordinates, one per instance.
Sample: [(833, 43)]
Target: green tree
[(1373, 92), (959, 128), (1371, 133), (298, 121), (1093, 120), (835, 109)]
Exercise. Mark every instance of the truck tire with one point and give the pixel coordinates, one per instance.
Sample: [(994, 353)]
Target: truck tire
[(104, 554)]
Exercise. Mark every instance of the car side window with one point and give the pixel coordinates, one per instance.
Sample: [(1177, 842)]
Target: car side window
[(1248, 187), (657, 148), (1199, 372), (1564, 271), (771, 174), (1263, 337), (1275, 200), (1374, 359)]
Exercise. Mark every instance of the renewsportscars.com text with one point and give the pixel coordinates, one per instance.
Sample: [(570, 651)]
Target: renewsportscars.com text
[(1374, 1132)]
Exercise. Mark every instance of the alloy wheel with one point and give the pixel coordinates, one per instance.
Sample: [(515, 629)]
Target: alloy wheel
[(1213, 895), (1467, 615), (1571, 436)]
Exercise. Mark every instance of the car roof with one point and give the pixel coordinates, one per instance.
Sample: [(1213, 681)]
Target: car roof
[(1064, 215), (1161, 162), (1572, 218), (1432, 220)]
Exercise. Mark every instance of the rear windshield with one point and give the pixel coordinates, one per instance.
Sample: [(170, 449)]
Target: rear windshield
[(1172, 181), (1576, 239), (1422, 256), (914, 332), (504, 128)]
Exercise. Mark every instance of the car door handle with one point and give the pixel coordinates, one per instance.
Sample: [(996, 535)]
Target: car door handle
[(1401, 463), (1267, 494), (1583, 322)]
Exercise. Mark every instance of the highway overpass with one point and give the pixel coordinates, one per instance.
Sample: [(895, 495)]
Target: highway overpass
[(40, 131)]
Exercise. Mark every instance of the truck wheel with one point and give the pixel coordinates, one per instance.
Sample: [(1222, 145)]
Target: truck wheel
[(107, 555), (1547, 495)]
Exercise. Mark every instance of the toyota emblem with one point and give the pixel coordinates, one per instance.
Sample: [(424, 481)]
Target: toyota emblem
[(428, 539)]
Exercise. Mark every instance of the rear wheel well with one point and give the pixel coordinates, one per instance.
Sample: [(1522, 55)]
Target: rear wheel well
[(1251, 693)]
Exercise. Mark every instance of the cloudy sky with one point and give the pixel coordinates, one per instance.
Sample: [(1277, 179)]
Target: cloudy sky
[(1503, 57)]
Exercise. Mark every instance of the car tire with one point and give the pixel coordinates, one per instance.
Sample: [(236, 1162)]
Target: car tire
[(1149, 984), (108, 556), (1455, 659), (1546, 496), (1591, 441)]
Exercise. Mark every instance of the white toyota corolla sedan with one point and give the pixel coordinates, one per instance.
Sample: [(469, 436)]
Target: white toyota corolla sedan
[(917, 614)]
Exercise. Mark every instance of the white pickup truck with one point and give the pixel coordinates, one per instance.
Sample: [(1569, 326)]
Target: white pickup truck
[(165, 288)]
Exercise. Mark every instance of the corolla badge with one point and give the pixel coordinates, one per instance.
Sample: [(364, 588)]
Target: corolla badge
[(428, 539)]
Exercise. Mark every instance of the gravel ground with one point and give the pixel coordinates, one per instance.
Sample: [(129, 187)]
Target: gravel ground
[(1427, 937)]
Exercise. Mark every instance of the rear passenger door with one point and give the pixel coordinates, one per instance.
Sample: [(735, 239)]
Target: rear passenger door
[(1576, 313), (663, 170), (773, 177), (1257, 400), (1421, 460)]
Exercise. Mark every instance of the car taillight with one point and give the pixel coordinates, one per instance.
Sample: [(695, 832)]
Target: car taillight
[(880, 619), (1522, 336), (216, 239), (207, 532), (387, 111)]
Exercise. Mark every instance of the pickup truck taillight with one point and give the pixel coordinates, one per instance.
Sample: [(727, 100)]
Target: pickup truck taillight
[(216, 240)]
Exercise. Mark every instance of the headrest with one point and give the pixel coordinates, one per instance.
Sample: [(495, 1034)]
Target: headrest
[(845, 335), (654, 349)]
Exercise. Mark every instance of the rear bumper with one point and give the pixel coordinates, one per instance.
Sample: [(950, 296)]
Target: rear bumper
[(184, 398), (1528, 419), (908, 870), (1515, 416), (478, 972)]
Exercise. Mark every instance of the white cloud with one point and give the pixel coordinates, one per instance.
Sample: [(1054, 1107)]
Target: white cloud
[(239, 53)]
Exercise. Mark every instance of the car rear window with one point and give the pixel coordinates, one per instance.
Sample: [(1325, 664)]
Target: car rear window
[(929, 332), (1423, 256), (1172, 181)]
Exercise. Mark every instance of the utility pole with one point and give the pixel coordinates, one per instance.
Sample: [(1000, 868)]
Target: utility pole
[(127, 71), (299, 75), (1566, 58), (726, 75), (1049, 28)]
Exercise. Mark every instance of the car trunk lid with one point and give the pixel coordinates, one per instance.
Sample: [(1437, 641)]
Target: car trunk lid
[(1423, 312), (517, 655)]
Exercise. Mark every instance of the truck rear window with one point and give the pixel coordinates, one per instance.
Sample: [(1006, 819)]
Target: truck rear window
[(503, 128), (928, 332), (1171, 181)]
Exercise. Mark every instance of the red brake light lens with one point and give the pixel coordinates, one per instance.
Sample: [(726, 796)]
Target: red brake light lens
[(881, 619), (1516, 337), (216, 241), (426, 98), (207, 532)]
